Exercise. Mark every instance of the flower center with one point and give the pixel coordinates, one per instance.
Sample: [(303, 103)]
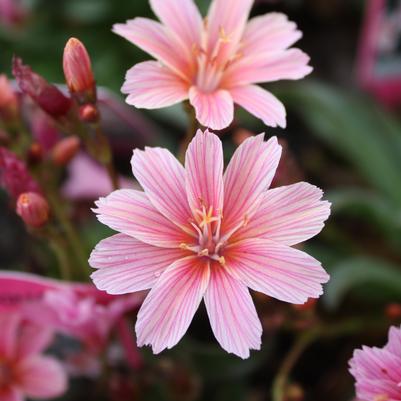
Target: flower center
[(212, 63), (5, 374)]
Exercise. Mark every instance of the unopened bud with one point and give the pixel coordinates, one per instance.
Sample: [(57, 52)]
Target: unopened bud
[(46, 96), (65, 150), (35, 153), (88, 113), (33, 209), (78, 70), (8, 99), (393, 311)]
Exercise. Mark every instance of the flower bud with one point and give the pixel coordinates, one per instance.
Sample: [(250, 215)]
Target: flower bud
[(46, 96), (393, 311), (88, 113), (78, 71), (8, 99), (33, 209), (65, 150), (35, 153)]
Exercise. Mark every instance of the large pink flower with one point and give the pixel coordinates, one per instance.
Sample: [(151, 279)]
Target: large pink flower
[(24, 372), (195, 234), (213, 63), (377, 371)]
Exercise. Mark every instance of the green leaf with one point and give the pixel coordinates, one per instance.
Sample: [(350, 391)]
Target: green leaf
[(359, 272)]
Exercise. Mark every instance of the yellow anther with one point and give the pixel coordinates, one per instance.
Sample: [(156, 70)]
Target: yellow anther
[(204, 252), (208, 217), (381, 397), (184, 246), (222, 260)]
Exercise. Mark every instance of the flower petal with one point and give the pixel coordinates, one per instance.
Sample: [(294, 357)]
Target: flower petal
[(232, 313), (248, 175), (41, 377), (288, 215), (214, 110), (171, 304), (204, 164), (182, 17), (261, 104), (150, 85), (33, 339), (272, 31), (9, 323), (226, 22), (127, 265), (153, 38), (11, 394), (162, 177), (394, 341), (131, 213), (267, 67), (276, 270)]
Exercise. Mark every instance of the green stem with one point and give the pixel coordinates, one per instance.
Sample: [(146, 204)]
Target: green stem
[(191, 131), (59, 250)]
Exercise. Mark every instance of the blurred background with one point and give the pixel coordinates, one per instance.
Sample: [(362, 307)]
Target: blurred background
[(344, 135)]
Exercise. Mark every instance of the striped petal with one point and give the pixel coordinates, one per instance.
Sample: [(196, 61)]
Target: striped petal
[(248, 175), (232, 313), (130, 212), (162, 177), (182, 17), (276, 270), (150, 85), (288, 215), (204, 164), (394, 341), (153, 38), (261, 104), (171, 304), (214, 110), (127, 265)]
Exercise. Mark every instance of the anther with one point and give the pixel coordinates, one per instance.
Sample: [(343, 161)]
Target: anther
[(204, 252), (222, 260)]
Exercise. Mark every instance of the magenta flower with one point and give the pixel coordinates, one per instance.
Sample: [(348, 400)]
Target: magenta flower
[(213, 63), (377, 371), (24, 371), (195, 234)]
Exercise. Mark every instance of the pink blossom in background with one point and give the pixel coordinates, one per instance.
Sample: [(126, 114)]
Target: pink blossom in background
[(214, 62), (196, 234), (87, 180), (24, 371), (377, 371)]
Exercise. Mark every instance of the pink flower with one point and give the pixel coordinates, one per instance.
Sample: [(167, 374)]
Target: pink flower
[(213, 63), (195, 234), (377, 371), (24, 372)]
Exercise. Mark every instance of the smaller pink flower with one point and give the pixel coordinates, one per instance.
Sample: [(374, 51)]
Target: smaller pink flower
[(215, 62), (377, 371), (24, 371)]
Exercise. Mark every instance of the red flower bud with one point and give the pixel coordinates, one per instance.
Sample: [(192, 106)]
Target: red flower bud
[(46, 96), (8, 99), (65, 150), (393, 311), (88, 113), (78, 70), (33, 209)]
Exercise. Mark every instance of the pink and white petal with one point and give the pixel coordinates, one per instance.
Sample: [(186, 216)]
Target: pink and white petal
[(232, 313), (276, 270), (9, 323), (33, 339), (171, 304), (130, 212), (214, 110), (226, 20), (127, 265), (204, 163), (394, 341), (272, 31), (182, 17), (150, 85), (261, 103), (11, 394), (248, 175), (153, 38), (162, 177), (268, 67), (41, 377), (288, 215)]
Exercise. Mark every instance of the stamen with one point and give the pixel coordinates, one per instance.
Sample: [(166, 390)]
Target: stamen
[(204, 252), (193, 248), (242, 223), (222, 260)]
